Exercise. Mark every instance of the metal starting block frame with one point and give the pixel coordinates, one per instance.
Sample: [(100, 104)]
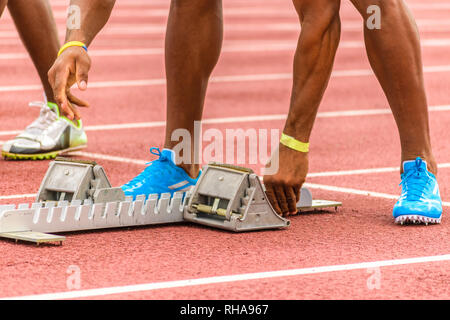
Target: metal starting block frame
[(231, 198), (77, 195)]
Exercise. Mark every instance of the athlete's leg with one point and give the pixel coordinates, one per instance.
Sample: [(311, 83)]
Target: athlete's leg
[(2, 6), (317, 45), (42, 139), (193, 44), (394, 53), (36, 26), (395, 56)]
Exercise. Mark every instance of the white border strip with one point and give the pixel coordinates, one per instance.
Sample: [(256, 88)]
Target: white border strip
[(17, 196), (269, 117), (363, 171), (117, 30), (216, 79), (358, 192), (108, 157), (350, 190), (248, 12), (309, 185), (229, 279), (232, 46)]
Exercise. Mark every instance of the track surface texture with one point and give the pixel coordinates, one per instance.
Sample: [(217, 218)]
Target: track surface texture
[(355, 253)]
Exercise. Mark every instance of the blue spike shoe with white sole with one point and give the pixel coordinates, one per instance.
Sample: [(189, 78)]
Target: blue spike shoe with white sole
[(420, 201), (160, 176)]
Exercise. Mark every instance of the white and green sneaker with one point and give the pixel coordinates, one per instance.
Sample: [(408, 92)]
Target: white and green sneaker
[(50, 135)]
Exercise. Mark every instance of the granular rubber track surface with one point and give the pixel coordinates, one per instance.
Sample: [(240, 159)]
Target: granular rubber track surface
[(355, 253)]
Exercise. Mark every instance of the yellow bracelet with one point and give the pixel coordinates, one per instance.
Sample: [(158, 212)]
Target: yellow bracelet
[(72, 44), (294, 144)]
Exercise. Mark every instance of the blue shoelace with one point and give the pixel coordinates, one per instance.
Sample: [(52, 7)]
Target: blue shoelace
[(155, 168), (415, 181)]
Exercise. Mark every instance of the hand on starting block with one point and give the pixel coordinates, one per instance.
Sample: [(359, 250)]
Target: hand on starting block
[(283, 187)]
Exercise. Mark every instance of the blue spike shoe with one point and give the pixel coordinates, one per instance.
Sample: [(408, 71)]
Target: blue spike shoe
[(420, 201), (160, 176)]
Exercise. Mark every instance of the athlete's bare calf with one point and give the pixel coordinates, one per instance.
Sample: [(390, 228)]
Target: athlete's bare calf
[(35, 23), (193, 43), (394, 54)]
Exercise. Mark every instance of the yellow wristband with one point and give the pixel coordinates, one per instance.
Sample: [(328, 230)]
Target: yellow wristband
[(72, 44), (292, 143)]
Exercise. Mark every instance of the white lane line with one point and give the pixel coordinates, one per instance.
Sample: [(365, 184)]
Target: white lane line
[(249, 12), (17, 196), (217, 79), (127, 3), (350, 190), (232, 46), (155, 3), (291, 25), (229, 278), (363, 171), (352, 172), (358, 192), (310, 175), (271, 117), (143, 162), (108, 157), (160, 29), (241, 11), (135, 125), (429, 6)]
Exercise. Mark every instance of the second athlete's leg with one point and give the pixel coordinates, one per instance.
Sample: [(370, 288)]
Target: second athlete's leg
[(193, 43), (36, 26), (50, 134)]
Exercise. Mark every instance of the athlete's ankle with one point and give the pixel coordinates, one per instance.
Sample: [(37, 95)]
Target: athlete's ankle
[(428, 158), (49, 96), (185, 163), (191, 169)]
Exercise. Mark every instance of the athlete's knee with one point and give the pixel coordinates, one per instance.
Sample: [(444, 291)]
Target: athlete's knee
[(319, 10), (387, 7), (197, 5), (319, 18)]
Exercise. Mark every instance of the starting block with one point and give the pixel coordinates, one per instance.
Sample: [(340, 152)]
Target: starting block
[(231, 198), (77, 195)]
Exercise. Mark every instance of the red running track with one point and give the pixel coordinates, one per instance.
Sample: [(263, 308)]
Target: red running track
[(252, 79)]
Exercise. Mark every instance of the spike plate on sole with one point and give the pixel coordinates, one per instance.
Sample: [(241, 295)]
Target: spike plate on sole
[(416, 219)]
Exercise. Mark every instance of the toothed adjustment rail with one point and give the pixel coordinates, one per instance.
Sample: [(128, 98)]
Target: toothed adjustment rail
[(86, 215), (77, 195)]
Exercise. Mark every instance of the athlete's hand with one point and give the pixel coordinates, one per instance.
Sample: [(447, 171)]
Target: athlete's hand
[(71, 67), (283, 187)]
